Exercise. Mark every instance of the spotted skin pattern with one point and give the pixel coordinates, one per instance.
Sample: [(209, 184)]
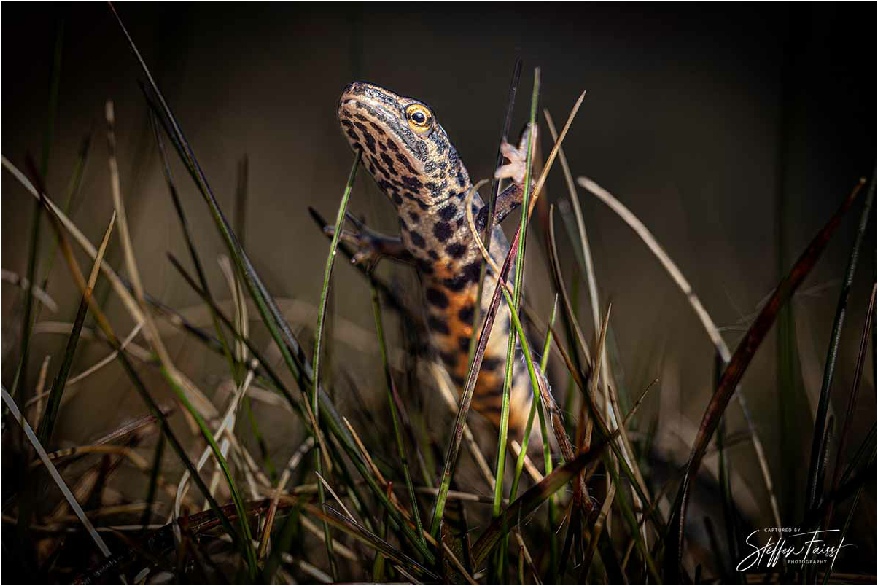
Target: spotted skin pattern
[(414, 163)]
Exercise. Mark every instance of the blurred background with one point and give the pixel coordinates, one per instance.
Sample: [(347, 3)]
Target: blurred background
[(732, 131)]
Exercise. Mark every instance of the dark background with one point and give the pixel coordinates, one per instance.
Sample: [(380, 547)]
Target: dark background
[(732, 131)]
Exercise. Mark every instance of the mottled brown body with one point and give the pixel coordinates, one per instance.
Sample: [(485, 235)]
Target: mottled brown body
[(411, 159)]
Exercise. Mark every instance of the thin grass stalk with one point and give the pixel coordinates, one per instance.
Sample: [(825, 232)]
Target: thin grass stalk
[(394, 415), (547, 454), (598, 527), (187, 236), (318, 341), (73, 188), (47, 422), (852, 400), (154, 475), (40, 394), (492, 200), (62, 486), (513, 307), (37, 292), (818, 441), (844, 531)]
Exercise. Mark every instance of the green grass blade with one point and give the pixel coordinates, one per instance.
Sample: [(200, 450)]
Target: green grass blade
[(394, 416), (318, 349)]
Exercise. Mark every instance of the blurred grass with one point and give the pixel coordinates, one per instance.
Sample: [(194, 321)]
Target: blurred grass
[(280, 527)]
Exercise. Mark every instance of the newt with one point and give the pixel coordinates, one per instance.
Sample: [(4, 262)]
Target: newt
[(412, 160)]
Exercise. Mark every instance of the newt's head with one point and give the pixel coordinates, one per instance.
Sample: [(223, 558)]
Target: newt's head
[(404, 147)]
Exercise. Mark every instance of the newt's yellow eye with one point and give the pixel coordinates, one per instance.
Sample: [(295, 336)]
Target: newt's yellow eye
[(418, 117)]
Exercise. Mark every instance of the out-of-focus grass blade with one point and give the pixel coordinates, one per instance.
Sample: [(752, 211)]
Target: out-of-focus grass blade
[(394, 415), (818, 441), (732, 375), (20, 379), (47, 423), (190, 245), (531, 499)]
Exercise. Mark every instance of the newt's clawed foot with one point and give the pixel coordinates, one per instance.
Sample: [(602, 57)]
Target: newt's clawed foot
[(516, 168)]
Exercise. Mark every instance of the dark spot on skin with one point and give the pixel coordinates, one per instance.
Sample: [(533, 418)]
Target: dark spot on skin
[(466, 314), (415, 217), (473, 271), (463, 343), (422, 204), (388, 161), (456, 283), (442, 231), (456, 250), (433, 187), (429, 167), (489, 409), (396, 199), (492, 363), (425, 266), (360, 117), (370, 141), (433, 254), (437, 298), (460, 221), (448, 212), (360, 125), (437, 324), (412, 182), (377, 128), (353, 135), (417, 239), (392, 146), (461, 180)]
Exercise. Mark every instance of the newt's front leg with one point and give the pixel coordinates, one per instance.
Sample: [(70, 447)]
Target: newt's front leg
[(368, 245)]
